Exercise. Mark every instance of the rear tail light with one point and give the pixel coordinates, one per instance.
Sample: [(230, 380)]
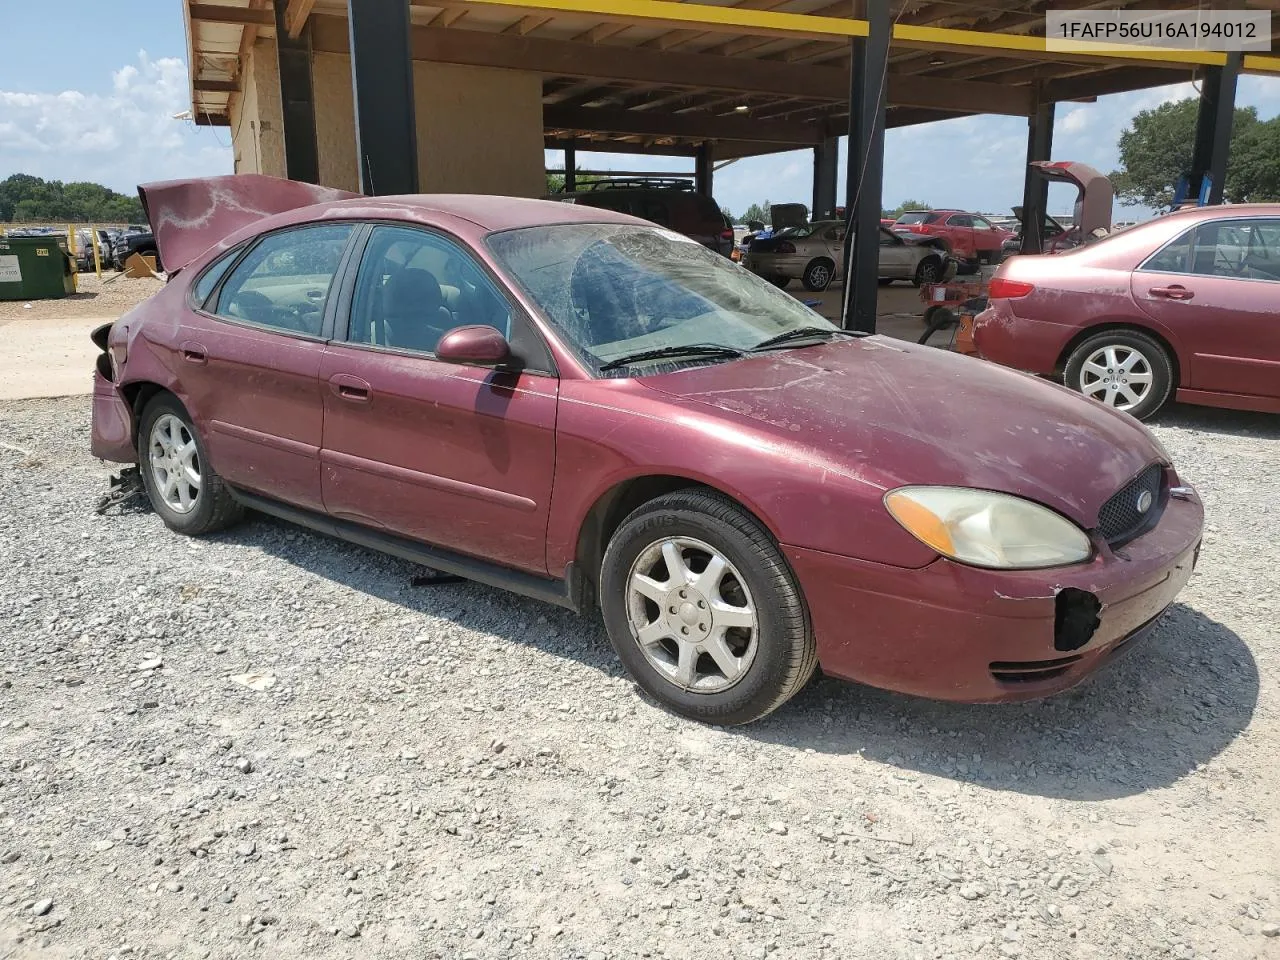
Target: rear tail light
[(785, 247), (726, 234), (1002, 288)]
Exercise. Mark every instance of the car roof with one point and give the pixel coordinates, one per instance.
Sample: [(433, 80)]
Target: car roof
[(1224, 211), (487, 212)]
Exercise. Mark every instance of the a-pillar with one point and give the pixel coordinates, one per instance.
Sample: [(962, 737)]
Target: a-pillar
[(382, 80), (297, 102), (1035, 188), (826, 174), (864, 176), (703, 171), (1213, 130)]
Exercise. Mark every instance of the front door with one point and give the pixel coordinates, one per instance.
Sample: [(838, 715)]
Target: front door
[(960, 234), (897, 258), (249, 357), (456, 456), (1217, 288)]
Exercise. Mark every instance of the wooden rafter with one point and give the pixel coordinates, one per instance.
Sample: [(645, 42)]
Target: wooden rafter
[(296, 14)]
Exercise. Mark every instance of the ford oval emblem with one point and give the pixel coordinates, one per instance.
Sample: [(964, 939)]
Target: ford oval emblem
[(1144, 501)]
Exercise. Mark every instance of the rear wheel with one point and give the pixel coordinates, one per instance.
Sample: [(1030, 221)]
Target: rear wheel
[(1125, 369), (818, 274), (183, 488), (703, 610)]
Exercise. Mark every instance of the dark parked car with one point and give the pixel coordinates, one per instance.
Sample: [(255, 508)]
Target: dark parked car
[(130, 242), (667, 201), (1183, 306), (584, 408)]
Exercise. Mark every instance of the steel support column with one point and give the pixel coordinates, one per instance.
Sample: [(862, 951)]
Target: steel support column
[(297, 102), (570, 168), (1035, 188), (382, 80), (1213, 129), (826, 173), (864, 179), (703, 169)]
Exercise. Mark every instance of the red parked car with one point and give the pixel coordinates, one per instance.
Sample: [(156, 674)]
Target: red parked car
[(1186, 306), (969, 236), (600, 413)]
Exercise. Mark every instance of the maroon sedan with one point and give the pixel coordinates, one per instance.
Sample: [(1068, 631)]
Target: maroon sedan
[(581, 407), (1185, 306)]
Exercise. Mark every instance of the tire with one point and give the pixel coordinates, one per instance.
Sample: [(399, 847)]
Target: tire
[(1088, 371), (885, 281), (201, 508), (780, 282), (928, 270), (768, 661), (818, 275)]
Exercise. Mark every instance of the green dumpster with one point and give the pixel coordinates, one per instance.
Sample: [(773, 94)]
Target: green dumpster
[(35, 268)]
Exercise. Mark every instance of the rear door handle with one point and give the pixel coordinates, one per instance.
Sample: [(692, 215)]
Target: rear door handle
[(193, 352), (1172, 292), (350, 388)]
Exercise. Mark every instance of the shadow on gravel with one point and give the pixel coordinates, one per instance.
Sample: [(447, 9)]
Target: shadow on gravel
[(1152, 716), (1174, 702), (1236, 423)]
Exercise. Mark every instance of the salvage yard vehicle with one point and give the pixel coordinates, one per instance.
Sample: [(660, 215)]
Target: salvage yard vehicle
[(1184, 306), (667, 201), (969, 237), (814, 254), (581, 407)]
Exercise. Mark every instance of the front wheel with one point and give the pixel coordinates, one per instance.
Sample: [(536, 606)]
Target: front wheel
[(1125, 369), (704, 611), (929, 270), (183, 488), (780, 282)]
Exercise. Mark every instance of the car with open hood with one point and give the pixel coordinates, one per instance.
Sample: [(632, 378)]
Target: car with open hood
[(587, 409)]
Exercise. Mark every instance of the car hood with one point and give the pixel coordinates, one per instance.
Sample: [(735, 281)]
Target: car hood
[(190, 216), (895, 413)]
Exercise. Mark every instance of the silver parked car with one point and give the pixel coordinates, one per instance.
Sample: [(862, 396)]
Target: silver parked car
[(814, 254)]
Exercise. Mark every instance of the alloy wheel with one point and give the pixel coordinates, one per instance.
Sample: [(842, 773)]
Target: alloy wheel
[(175, 464), (1117, 375), (692, 615)]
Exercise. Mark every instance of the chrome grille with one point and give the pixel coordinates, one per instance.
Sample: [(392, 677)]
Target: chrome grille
[(1121, 518)]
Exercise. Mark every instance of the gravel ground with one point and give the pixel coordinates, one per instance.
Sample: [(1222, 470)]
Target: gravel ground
[(96, 298), (271, 744)]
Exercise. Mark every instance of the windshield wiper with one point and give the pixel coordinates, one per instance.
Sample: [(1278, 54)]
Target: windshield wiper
[(673, 352), (805, 333)]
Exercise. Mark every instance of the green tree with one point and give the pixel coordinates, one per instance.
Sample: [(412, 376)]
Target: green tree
[(555, 181), (728, 214), (24, 197), (757, 212), (1156, 151), (903, 207)]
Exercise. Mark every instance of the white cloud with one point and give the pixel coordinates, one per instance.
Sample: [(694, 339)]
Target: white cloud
[(121, 138)]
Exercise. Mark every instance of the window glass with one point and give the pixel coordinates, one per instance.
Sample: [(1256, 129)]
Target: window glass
[(917, 216), (284, 281), (982, 223), (1245, 249), (834, 235), (656, 211), (1171, 258), (887, 239), (613, 290), (413, 287), (960, 220), (209, 279)]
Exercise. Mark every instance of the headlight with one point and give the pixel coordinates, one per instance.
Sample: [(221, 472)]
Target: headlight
[(988, 529)]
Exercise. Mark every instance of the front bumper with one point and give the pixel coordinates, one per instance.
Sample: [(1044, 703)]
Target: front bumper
[(112, 434), (953, 632)]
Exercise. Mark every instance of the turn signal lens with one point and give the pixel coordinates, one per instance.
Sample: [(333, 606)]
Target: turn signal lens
[(987, 529), (1005, 289)]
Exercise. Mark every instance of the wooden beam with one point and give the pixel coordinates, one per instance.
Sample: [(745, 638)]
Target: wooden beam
[(296, 14), (216, 13), (584, 145), (673, 38), (1118, 80), (212, 120), (565, 58), (527, 24), (217, 86), (448, 16), (684, 125)]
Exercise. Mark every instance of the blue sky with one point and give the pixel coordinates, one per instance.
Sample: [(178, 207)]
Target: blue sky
[(85, 96)]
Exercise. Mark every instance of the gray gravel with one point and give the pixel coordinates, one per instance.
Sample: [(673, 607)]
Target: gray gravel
[(268, 743)]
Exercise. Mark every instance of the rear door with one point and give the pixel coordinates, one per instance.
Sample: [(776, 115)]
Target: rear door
[(986, 238), (959, 233), (1217, 288), (897, 257), (250, 358), (457, 456)]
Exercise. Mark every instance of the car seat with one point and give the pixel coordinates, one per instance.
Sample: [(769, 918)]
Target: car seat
[(413, 313)]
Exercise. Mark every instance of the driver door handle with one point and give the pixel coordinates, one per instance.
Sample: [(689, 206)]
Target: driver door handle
[(350, 388), (1172, 292)]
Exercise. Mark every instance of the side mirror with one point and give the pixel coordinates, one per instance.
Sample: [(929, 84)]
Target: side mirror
[(473, 344)]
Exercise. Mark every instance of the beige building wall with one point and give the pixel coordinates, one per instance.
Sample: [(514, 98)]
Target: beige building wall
[(479, 128), (257, 124)]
